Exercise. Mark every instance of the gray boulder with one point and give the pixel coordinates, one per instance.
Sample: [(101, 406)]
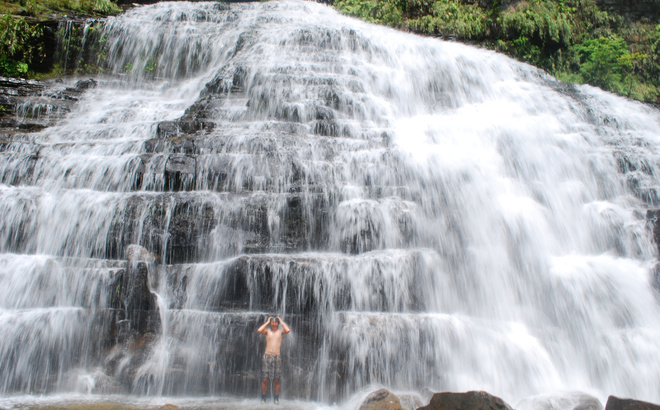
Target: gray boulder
[(381, 399), (615, 403), (473, 400)]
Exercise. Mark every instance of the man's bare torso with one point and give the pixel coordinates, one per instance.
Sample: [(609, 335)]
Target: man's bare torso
[(273, 341)]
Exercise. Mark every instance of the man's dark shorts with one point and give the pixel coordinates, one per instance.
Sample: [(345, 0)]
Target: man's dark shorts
[(271, 366)]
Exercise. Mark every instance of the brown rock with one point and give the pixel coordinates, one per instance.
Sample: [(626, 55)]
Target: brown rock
[(615, 403), (472, 400), (169, 406), (381, 399)]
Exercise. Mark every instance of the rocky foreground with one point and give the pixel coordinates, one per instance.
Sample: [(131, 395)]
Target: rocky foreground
[(479, 400), (381, 399)]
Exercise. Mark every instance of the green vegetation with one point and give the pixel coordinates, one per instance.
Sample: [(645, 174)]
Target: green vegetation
[(443, 18), (573, 40), (23, 38), (606, 62), (41, 8), (19, 44), (375, 11)]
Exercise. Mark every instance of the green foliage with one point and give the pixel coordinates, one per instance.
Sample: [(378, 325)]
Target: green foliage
[(29, 6), (20, 45), (98, 7), (526, 50), (452, 17), (641, 90), (150, 67), (41, 8), (105, 7), (388, 12), (540, 32), (604, 62), (540, 22), (654, 48)]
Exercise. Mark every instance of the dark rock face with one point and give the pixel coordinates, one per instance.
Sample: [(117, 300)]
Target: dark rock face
[(655, 280), (653, 217), (381, 399), (131, 298), (29, 105), (168, 129), (632, 9), (132, 318), (182, 158), (473, 400), (615, 403), (188, 221)]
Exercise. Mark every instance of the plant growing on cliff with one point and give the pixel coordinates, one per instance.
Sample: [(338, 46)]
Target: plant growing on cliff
[(388, 12), (41, 8), (106, 7), (653, 62), (20, 45), (606, 62), (542, 23), (467, 21), (95, 7)]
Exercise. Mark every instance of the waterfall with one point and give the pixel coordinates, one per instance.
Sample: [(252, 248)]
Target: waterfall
[(424, 215)]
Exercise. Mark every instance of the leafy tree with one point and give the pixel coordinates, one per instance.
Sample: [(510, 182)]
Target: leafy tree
[(604, 62), (20, 45)]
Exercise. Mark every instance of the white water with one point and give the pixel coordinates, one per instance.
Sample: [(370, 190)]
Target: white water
[(467, 224)]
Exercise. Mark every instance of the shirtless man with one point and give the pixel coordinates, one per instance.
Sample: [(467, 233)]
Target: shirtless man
[(271, 366)]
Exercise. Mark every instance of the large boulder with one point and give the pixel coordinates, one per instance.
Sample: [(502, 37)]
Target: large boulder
[(615, 403), (472, 400), (570, 401), (381, 399)]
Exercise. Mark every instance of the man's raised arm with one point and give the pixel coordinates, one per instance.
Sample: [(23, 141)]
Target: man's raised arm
[(285, 328), (262, 328)]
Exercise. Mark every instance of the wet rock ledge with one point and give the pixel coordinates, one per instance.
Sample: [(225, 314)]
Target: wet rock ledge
[(30, 105)]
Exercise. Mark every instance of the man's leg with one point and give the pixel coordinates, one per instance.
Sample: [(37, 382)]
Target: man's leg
[(276, 378), (264, 389), (276, 390), (276, 387), (265, 373)]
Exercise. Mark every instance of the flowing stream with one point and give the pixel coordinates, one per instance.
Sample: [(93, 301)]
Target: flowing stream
[(425, 215)]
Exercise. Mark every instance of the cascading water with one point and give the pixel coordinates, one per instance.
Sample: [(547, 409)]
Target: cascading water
[(426, 216)]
